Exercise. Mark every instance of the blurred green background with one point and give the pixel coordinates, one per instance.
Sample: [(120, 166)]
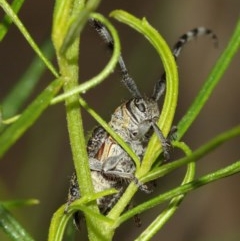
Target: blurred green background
[(39, 165)]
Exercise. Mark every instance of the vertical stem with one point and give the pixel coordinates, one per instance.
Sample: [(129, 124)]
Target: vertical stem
[(68, 64), (75, 126), (69, 70)]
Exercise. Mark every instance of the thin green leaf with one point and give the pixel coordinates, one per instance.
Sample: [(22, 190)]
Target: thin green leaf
[(77, 23), (61, 216), (22, 90), (170, 101), (167, 213), (80, 204), (213, 79), (61, 15), (11, 227), (167, 114), (4, 26), (58, 224), (108, 69), (195, 156), (104, 124), (206, 179), (19, 203), (28, 117), (8, 10), (165, 53), (90, 198), (7, 121)]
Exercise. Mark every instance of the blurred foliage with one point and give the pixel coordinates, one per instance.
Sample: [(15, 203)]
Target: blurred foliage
[(40, 167)]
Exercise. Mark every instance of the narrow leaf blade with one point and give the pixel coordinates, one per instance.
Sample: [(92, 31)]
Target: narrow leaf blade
[(29, 116)]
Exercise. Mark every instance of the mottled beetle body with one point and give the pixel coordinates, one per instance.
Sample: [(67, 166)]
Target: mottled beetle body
[(134, 121), (111, 166)]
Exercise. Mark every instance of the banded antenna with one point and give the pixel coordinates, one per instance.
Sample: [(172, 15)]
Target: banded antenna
[(189, 36)]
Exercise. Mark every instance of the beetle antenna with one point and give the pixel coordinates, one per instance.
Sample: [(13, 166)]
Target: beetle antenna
[(189, 36), (126, 78)]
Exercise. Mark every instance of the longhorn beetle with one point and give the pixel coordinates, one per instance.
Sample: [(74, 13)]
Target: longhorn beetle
[(135, 121)]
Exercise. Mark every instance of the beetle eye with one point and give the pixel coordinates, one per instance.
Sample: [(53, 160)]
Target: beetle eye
[(140, 105), (134, 133)]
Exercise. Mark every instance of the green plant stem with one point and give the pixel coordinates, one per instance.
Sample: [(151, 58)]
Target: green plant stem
[(69, 70), (68, 64), (73, 90), (208, 87)]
